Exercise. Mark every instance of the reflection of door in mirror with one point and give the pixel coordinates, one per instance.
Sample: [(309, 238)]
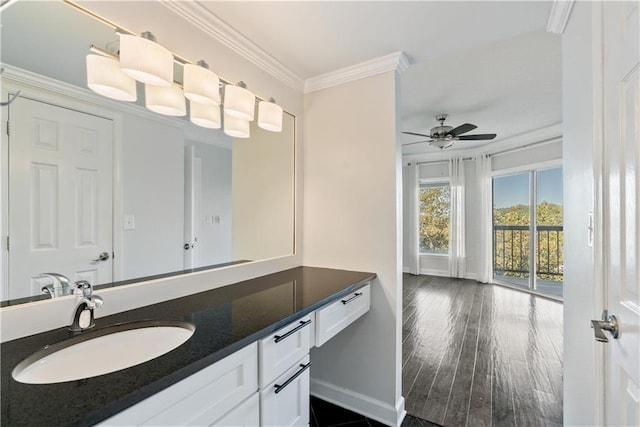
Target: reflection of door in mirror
[(60, 196), (208, 202)]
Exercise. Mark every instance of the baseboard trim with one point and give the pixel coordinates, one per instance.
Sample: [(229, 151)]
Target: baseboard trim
[(431, 272), (359, 403)]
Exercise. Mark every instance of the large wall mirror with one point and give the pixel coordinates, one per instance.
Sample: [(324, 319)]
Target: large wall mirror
[(111, 195)]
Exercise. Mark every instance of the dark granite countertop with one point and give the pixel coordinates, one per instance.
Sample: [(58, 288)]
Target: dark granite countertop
[(226, 319)]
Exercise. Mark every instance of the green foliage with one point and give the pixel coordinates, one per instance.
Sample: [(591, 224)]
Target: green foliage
[(434, 219), (511, 246)]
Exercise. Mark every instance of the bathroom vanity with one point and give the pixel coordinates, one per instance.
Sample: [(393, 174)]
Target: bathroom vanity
[(247, 361)]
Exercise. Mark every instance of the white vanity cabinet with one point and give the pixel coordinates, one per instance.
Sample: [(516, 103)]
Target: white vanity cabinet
[(284, 374), (263, 384), (222, 391)]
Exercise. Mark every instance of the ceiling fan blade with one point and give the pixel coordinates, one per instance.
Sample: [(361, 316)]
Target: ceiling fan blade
[(478, 137), (467, 127), (418, 134), (417, 142)]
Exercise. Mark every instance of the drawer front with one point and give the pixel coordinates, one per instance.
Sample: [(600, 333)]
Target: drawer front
[(247, 414), (285, 402), (338, 315), (201, 398), (284, 348)]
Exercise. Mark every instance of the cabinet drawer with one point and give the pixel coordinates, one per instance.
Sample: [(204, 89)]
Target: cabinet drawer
[(201, 398), (338, 315), (285, 402), (284, 348)]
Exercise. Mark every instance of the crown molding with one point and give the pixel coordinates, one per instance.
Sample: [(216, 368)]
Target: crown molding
[(396, 61), (203, 19), (559, 15), (40, 82)]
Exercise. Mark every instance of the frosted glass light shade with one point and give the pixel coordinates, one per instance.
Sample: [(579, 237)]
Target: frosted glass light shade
[(105, 78), (239, 103), (201, 85), (207, 116), (270, 116), (165, 100), (146, 61), (235, 127)]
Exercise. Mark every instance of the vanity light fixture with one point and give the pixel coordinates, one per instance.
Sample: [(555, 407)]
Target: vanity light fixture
[(235, 127), (207, 116), (105, 78), (143, 59), (239, 102), (201, 85), (169, 101), (270, 115)]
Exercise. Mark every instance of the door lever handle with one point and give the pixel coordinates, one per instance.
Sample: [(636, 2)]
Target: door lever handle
[(102, 257), (608, 323)]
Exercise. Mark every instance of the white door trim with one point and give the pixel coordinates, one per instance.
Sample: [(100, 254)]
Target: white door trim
[(599, 289)]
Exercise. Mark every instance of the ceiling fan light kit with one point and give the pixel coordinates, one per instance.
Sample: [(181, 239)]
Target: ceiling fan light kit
[(444, 136)]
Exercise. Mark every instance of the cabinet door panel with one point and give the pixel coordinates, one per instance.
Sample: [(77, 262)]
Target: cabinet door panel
[(247, 414), (201, 398)]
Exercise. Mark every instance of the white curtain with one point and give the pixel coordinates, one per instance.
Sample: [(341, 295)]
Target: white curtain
[(413, 188), (485, 217), (457, 253)]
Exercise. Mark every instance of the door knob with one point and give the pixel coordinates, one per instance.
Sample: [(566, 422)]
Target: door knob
[(102, 257), (609, 323)]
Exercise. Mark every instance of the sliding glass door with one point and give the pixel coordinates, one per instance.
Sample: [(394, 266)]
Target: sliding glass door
[(527, 230)]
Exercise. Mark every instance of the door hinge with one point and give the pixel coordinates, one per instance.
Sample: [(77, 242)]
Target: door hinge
[(7, 243), (8, 128)]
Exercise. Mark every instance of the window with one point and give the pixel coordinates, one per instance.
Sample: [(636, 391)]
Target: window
[(529, 204), (434, 218)]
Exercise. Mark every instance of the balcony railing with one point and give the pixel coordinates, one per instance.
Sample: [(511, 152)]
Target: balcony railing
[(511, 251)]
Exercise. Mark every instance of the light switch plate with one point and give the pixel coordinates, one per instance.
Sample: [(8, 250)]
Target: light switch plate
[(129, 222)]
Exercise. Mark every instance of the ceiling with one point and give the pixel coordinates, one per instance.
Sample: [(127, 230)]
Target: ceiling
[(488, 63)]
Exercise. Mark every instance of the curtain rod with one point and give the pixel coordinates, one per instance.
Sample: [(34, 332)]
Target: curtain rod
[(497, 153)]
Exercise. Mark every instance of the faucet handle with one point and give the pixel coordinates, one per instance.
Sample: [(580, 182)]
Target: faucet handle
[(82, 288)]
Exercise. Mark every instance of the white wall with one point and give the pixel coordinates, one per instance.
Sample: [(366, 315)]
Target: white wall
[(352, 221), (501, 163), (580, 86), (153, 192), (214, 237), (263, 191)]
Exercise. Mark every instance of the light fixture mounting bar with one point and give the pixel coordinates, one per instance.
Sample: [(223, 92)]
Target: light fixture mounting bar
[(104, 52)]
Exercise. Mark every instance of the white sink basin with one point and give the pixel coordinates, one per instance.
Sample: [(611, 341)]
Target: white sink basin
[(102, 351)]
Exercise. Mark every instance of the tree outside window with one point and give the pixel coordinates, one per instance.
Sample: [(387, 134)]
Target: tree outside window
[(434, 217)]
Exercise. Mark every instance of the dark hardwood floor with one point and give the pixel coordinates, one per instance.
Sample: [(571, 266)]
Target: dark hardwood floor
[(480, 355)]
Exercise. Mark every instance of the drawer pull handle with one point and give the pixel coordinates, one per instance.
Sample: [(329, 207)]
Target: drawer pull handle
[(279, 388), (293, 331), (347, 301)]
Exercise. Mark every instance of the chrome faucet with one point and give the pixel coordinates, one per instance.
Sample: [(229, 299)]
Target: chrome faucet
[(86, 302), (59, 286)]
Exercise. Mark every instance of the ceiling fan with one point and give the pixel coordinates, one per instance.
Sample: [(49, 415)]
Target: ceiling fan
[(444, 136)]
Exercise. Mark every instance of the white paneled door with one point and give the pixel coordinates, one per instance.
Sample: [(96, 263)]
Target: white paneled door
[(60, 196), (621, 216)]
